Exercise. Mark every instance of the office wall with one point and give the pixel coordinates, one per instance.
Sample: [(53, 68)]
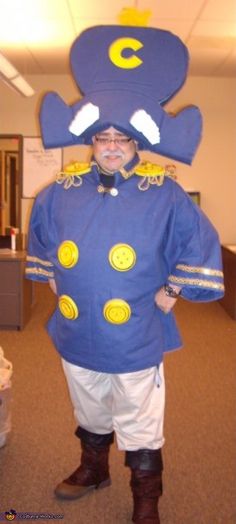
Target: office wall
[(213, 171)]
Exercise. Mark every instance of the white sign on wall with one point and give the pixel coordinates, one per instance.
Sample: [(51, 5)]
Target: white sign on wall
[(40, 166)]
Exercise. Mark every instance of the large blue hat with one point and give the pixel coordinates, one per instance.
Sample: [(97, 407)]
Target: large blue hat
[(126, 75)]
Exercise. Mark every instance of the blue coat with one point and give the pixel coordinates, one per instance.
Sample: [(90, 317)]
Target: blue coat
[(109, 254)]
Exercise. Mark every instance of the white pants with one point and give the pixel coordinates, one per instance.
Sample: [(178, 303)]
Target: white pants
[(131, 404)]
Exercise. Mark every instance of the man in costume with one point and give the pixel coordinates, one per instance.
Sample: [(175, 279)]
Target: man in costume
[(118, 241)]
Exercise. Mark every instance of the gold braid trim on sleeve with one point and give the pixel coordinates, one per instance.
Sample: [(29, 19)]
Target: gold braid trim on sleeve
[(39, 271), (202, 270), (196, 282), (39, 261)]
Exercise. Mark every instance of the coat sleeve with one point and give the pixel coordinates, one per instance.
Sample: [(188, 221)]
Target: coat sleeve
[(38, 267), (194, 250)]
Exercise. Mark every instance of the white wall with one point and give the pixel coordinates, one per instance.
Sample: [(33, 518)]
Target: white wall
[(213, 171)]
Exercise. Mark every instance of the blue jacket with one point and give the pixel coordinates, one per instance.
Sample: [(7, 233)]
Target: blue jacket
[(109, 254)]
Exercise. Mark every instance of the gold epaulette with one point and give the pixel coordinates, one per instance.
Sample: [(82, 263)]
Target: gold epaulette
[(71, 174), (76, 168), (150, 170)]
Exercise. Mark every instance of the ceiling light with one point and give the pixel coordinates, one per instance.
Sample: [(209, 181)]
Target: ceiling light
[(6, 68), (12, 77), (20, 83)]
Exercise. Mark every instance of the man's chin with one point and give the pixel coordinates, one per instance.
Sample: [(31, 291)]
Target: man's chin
[(113, 165)]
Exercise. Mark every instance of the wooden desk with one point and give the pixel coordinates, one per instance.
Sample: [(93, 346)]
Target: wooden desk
[(16, 293), (229, 265)]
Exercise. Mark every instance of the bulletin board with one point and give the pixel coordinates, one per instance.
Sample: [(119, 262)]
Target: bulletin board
[(39, 166)]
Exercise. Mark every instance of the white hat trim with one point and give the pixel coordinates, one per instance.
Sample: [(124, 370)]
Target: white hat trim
[(144, 123), (84, 118)]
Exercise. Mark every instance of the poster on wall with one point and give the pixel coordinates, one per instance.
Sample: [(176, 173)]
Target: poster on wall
[(40, 166)]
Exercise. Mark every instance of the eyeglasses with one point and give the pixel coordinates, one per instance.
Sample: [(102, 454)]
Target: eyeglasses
[(104, 141)]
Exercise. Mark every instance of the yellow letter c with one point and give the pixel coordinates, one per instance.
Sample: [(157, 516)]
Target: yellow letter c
[(115, 53)]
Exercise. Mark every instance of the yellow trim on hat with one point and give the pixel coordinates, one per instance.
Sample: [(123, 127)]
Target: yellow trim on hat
[(116, 49)]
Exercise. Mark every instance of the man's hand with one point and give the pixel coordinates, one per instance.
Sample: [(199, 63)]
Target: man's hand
[(53, 285), (164, 302)]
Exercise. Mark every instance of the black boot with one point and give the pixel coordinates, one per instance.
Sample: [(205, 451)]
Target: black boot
[(93, 472), (146, 484)]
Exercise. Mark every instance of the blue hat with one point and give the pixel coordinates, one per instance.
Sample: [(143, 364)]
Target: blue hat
[(126, 75)]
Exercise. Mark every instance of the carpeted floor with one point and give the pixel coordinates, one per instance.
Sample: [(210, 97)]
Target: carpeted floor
[(200, 423)]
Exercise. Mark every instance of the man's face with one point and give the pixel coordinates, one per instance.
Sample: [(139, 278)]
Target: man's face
[(112, 149)]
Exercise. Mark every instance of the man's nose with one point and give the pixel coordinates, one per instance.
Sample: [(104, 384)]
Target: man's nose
[(112, 144)]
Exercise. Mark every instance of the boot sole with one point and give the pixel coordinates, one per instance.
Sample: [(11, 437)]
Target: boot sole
[(84, 490)]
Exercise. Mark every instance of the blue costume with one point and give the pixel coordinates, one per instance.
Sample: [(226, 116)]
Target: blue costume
[(113, 243), (158, 231)]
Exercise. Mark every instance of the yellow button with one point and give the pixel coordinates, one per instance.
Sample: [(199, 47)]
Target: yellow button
[(68, 254), (117, 311), (68, 307), (122, 257)]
